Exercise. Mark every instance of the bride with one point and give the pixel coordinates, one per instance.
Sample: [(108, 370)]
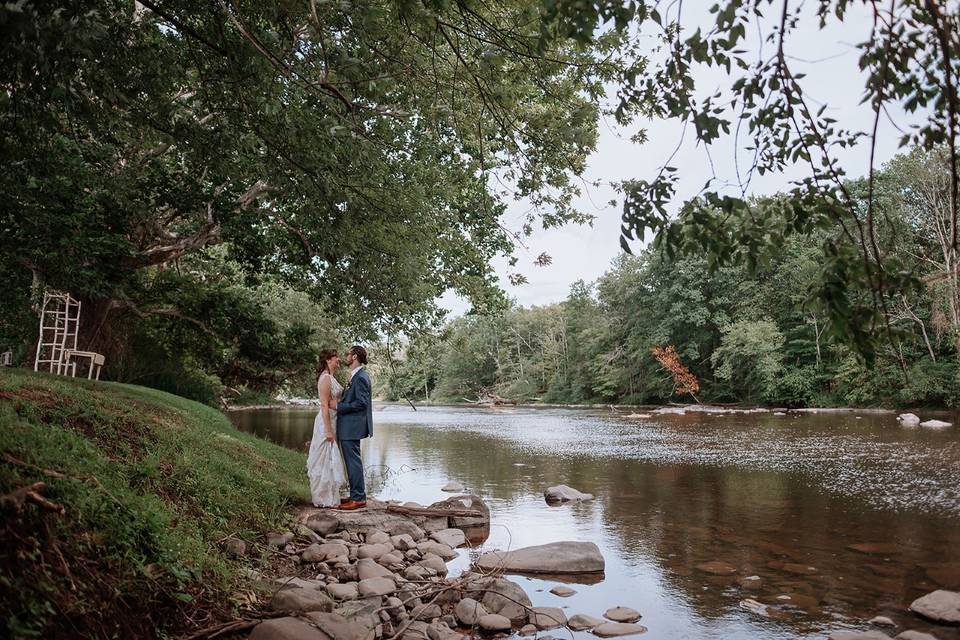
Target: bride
[(324, 463)]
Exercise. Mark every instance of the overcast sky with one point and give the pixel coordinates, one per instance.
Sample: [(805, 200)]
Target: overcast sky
[(829, 59)]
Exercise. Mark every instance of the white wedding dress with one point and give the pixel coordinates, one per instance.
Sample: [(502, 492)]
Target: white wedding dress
[(325, 463)]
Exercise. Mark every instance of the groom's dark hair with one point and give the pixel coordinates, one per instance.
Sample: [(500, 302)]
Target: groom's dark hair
[(360, 352)]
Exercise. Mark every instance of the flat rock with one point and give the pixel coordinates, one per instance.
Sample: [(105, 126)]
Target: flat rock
[(494, 623), (717, 568), (563, 493), (936, 424), (452, 487), (940, 606), (912, 634), (377, 587), (469, 611), (345, 591), (367, 568), (452, 538), (469, 501), (562, 591), (557, 558), (617, 629), (622, 614), (548, 617), (858, 635), (375, 536), (302, 598), (287, 629), (582, 622)]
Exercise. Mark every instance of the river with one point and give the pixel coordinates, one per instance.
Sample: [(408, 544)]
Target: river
[(841, 516)]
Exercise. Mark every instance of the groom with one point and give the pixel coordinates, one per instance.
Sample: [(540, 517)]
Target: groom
[(354, 423)]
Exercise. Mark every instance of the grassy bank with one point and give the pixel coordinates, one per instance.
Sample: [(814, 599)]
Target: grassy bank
[(150, 485)]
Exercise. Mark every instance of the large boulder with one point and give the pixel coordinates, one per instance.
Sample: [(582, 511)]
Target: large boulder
[(563, 493), (908, 419), (555, 558), (940, 606)]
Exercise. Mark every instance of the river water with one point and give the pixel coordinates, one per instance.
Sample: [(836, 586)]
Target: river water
[(841, 516)]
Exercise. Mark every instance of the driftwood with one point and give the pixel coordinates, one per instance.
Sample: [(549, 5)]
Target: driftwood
[(17, 498), (427, 511), (490, 398)]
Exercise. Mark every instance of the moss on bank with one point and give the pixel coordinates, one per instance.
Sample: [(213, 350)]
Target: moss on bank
[(151, 485)]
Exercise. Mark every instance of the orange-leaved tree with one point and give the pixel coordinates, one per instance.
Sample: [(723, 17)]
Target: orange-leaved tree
[(683, 380)]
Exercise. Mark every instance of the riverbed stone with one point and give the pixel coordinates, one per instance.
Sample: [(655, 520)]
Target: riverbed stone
[(416, 631), (562, 591), (331, 551), (468, 611), (377, 587), (469, 501), (908, 419), (557, 558), (528, 630), (548, 617), (583, 622), (416, 572), (858, 635), (375, 536), (940, 606), (344, 591), (494, 623), (945, 574), (878, 548), (435, 562), (936, 424), (452, 538), (427, 612), (799, 569), (882, 621), (622, 614), (452, 487), (390, 559), (303, 595), (367, 568), (750, 582), (323, 524), (617, 629), (563, 493), (442, 632), (717, 568), (406, 527)]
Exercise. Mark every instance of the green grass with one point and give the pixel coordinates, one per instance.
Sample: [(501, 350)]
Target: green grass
[(153, 484)]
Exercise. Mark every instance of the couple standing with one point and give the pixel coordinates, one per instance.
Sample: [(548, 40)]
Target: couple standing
[(345, 418)]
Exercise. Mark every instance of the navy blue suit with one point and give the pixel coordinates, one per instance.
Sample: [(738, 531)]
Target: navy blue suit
[(355, 422)]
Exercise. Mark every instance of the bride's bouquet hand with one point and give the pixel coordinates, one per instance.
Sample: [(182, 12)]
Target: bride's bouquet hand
[(329, 436)]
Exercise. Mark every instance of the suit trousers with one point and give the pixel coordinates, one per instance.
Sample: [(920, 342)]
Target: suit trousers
[(351, 458)]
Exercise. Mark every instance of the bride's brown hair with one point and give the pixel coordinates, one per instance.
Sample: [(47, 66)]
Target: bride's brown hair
[(325, 355)]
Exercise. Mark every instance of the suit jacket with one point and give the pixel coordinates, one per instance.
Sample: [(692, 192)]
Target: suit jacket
[(355, 409)]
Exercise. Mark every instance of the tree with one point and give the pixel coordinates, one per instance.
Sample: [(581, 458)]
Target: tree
[(750, 358)]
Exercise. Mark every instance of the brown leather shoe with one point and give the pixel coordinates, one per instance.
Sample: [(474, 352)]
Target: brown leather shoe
[(344, 500), (350, 505)]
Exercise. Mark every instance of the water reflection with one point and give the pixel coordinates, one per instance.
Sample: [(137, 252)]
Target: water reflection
[(833, 519)]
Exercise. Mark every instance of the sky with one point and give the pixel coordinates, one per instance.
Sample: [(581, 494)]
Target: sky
[(830, 60)]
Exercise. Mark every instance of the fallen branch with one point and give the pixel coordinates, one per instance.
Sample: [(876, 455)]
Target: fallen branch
[(427, 511), (18, 498)]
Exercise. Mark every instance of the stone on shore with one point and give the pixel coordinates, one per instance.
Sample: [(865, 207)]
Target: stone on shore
[(882, 621), (377, 587), (471, 502), (279, 540), (435, 562), (323, 524), (557, 558), (442, 632), (416, 631), (563, 493), (548, 617), (452, 487), (344, 591), (375, 536), (403, 542), (940, 606), (908, 419), (469, 611), (323, 552), (373, 551), (912, 634), (936, 424), (494, 623), (287, 629), (401, 527), (367, 568), (528, 630), (390, 559), (304, 595), (499, 595), (437, 548), (562, 591), (622, 614), (583, 622), (452, 538), (617, 629)]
